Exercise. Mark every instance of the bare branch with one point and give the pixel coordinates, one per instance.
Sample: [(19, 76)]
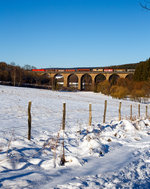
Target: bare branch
[(145, 6)]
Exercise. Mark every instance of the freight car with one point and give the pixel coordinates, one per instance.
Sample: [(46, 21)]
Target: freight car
[(70, 70), (60, 70), (83, 69), (97, 70), (130, 70), (119, 70), (108, 70)]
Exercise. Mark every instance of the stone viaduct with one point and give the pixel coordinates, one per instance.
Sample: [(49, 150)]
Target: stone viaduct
[(92, 75)]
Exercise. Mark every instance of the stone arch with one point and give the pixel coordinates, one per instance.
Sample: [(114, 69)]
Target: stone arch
[(99, 78), (86, 82), (129, 76), (58, 81), (46, 79), (45, 74), (72, 81), (113, 79)]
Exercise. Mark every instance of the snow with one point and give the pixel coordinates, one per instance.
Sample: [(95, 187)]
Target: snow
[(115, 154)]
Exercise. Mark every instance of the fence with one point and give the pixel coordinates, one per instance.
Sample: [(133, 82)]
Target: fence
[(90, 112), (90, 115)]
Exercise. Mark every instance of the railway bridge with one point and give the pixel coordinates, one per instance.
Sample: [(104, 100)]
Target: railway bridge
[(83, 80)]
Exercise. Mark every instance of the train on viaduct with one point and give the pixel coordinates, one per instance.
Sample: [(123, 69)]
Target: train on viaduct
[(82, 78)]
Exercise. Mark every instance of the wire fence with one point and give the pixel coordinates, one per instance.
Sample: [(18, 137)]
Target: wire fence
[(64, 118), (52, 116)]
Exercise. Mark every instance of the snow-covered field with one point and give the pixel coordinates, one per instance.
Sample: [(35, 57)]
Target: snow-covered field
[(111, 155)]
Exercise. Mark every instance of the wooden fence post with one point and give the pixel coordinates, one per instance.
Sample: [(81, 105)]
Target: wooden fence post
[(90, 114), (139, 110), (64, 116), (29, 121), (119, 111), (62, 161), (131, 112), (105, 108), (146, 111)]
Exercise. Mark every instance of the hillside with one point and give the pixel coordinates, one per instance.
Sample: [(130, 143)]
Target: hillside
[(114, 154), (124, 66)]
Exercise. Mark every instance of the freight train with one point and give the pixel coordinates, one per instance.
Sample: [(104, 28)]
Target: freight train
[(82, 70)]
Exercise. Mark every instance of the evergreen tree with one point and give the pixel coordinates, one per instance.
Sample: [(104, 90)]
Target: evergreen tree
[(142, 72)]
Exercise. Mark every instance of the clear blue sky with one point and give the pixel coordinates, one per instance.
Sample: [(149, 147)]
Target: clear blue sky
[(71, 33)]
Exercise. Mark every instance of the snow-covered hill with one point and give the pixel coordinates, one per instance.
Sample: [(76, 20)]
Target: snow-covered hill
[(111, 155)]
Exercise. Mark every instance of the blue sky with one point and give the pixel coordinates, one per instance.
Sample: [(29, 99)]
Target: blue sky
[(73, 33)]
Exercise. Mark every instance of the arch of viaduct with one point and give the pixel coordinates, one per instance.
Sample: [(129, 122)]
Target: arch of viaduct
[(93, 76)]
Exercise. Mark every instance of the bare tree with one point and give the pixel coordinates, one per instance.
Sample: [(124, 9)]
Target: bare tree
[(27, 67), (13, 75), (145, 5)]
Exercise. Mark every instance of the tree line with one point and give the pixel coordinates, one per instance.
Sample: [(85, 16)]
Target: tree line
[(10, 74)]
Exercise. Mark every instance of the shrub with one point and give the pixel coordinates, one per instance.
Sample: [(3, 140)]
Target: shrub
[(122, 82), (119, 91), (138, 85), (104, 87), (136, 94)]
